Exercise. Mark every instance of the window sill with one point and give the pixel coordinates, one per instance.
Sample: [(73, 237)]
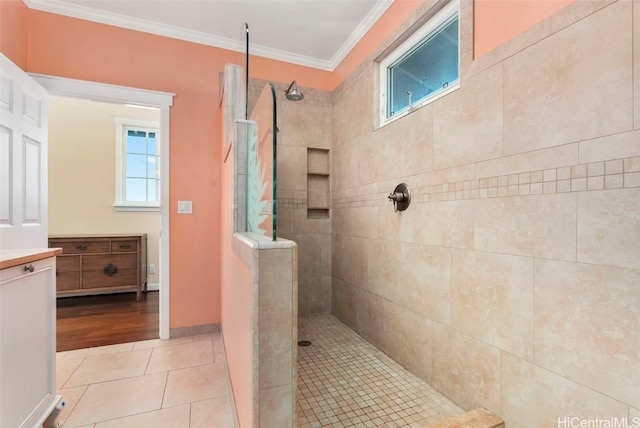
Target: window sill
[(136, 208), (429, 100)]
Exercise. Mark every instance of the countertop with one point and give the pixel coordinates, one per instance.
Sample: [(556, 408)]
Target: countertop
[(11, 258)]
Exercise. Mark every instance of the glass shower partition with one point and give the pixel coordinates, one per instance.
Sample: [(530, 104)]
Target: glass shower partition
[(261, 165)]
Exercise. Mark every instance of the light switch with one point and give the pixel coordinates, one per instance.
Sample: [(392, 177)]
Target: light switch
[(185, 207)]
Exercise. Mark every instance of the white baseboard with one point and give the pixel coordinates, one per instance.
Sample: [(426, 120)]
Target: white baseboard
[(153, 287)]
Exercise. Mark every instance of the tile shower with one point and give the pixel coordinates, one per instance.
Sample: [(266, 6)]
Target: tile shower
[(520, 250)]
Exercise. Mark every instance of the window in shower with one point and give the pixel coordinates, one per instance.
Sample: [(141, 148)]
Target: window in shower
[(424, 67)]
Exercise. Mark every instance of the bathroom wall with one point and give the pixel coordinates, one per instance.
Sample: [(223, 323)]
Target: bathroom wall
[(46, 43), (513, 280), (304, 126)]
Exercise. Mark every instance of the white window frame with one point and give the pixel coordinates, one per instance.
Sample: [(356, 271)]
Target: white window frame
[(408, 45), (120, 203)]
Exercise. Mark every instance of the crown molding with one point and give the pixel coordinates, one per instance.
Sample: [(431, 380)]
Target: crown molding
[(362, 29), (139, 24)]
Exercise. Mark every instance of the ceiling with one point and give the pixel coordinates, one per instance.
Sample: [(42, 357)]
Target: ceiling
[(314, 33)]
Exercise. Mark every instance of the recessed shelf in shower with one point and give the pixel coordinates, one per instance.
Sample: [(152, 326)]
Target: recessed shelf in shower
[(318, 191)]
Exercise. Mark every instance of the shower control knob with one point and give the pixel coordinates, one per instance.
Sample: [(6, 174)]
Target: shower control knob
[(401, 197), (397, 197)]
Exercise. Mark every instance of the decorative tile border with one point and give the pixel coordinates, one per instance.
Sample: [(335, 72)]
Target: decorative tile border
[(605, 175), (292, 203)]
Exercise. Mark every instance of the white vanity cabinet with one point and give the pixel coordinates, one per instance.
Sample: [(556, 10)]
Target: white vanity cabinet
[(27, 337)]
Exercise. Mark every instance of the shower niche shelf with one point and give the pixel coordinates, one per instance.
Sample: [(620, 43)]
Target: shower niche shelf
[(318, 192)]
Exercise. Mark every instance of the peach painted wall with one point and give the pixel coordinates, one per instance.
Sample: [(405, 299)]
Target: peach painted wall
[(237, 310), (13, 31), (69, 47), (85, 50), (497, 21)]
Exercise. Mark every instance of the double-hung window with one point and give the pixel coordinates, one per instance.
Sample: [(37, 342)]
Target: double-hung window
[(424, 67), (137, 165)]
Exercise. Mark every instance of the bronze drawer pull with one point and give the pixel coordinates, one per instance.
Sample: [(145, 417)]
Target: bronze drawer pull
[(29, 268), (124, 247), (110, 269), (81, 247)]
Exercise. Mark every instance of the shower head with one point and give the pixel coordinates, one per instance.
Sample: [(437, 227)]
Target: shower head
[(292, 93)]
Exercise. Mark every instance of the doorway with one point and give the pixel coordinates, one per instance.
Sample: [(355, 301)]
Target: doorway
[(145, 98)]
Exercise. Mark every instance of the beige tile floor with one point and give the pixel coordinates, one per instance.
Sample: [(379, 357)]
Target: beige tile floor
[(344, 381), (176, 383)]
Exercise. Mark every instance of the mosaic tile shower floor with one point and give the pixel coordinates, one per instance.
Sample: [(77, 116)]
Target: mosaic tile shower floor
[(344, 381)]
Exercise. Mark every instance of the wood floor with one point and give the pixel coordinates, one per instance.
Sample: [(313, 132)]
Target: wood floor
[(106, 319)]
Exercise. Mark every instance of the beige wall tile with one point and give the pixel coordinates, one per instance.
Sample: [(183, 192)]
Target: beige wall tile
[(292, 168), (536, 160), (449, 224), (401, 225), (535, 397), (344, 303), (425, 278), (548, 105), (360, 221), (302, 224), (345, 163), (276, 327), (352, 112), (575, 12), (384, 259), (372, 161), (404, 146), (606, 224), (303, 124), (408, 339), (338, 261), (492, 299), (319, 294), (371, 316), (285, 222), (465, 130), (314, 254), (355, 257), (511, 47), (615, 146), (587, 318), (465, 369), (539, 226), (276, 408), (303, 296)]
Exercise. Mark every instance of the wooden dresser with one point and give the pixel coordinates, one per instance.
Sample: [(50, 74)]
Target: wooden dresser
[(94, 264)]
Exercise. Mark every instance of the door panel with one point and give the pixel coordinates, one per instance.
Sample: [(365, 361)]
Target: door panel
[(23, 159)]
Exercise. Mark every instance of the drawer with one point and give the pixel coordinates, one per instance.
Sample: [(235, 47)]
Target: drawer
[(99, 279), (124, 246), (68, 263), (98, 262), (67, 281), (81, 247)]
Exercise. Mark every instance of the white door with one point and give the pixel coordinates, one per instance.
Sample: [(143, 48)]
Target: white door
[(23, 159)]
